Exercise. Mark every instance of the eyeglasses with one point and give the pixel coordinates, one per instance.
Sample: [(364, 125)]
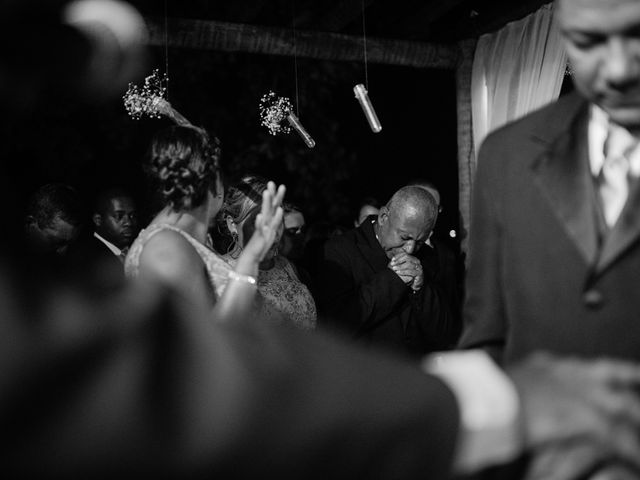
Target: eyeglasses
[(294, 231)]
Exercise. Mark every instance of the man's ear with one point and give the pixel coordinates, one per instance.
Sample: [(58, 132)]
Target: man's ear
[(97, 219), (383, 215)]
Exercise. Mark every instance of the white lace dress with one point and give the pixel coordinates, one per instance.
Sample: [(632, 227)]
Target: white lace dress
[(216, 267), (283, 295)]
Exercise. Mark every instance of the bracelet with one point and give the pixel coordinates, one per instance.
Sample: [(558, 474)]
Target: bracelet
[(233, 275)]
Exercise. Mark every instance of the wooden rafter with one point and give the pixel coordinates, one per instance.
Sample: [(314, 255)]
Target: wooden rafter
[(233, 37)]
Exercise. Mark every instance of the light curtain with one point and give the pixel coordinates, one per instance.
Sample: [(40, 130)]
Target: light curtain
[(515, 71)]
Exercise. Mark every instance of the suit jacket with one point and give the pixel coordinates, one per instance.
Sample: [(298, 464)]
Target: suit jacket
[(140, 382), (93, 262), (544, 273), (360, 294)]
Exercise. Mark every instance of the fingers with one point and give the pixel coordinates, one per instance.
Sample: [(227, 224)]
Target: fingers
[(406, 270), (279, 196), (401, 258), (272, 199), (277, 218)]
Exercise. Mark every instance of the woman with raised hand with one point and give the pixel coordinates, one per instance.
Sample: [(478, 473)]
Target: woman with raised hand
[(283, 295), (183, 164)]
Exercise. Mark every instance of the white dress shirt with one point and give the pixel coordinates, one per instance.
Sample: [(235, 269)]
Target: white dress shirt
[(116, 251)]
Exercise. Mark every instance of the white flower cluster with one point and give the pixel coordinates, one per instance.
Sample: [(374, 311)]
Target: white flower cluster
[(273, 110), (146, 100)]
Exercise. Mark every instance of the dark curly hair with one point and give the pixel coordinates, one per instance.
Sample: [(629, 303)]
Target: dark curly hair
[(183, 164)]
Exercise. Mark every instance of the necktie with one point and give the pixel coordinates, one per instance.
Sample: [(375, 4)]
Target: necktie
[(614, 176), (123, 254)]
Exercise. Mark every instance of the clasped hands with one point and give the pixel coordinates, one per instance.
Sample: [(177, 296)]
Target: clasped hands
[(409, 269)]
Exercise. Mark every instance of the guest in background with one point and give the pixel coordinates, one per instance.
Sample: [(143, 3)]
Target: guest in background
[(292, 243), (98, 256), (183, 163), (371, 282), (115, 221), (54, 219), (368, 206), (283, 294)]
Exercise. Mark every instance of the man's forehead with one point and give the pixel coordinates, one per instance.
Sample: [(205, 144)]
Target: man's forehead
[(122, 203)]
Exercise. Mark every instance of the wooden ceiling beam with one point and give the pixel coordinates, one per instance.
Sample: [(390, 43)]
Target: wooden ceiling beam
[(234, 37)]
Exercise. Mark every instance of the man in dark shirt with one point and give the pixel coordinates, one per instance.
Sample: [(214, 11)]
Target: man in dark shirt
[(372, 283)]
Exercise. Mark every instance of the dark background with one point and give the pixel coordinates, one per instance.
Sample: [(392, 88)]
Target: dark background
[(93, 147)]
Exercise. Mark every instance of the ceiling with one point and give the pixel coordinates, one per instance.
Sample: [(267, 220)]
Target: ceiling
[(438, 21)]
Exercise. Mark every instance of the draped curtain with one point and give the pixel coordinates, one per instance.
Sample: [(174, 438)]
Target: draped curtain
[(515, 71)]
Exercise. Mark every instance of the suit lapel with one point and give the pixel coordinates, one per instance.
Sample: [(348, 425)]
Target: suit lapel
[(562, 174), (624, 233)]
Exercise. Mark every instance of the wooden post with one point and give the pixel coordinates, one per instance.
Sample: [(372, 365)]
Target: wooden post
[(466, 154), (234, 37)]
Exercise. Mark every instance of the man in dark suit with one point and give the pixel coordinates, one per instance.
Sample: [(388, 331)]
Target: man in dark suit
[(548, 270), (100, 254), (555, 238), (371, 282), (116, 223)]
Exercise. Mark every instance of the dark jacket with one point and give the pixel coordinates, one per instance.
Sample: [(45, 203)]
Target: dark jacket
[(359, 294), (543, 272)]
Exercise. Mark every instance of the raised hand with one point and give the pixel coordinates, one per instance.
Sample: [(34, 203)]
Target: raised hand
[(267, 222)]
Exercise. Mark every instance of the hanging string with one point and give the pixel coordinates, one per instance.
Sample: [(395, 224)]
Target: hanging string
[(295, 53), (364, 38), (166, 46)]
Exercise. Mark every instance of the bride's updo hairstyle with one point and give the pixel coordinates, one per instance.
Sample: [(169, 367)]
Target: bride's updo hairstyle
[(183, 164)]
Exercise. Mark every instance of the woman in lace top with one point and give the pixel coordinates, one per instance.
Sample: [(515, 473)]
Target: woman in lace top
[(183, 164), (283, 294)]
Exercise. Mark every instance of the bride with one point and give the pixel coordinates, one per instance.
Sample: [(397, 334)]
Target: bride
[(183, 164)]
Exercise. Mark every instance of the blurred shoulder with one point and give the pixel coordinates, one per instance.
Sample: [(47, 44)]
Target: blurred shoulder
[(170, 255)]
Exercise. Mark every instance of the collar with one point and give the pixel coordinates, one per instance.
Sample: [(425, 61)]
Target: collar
[(599, 125), (116, 251)]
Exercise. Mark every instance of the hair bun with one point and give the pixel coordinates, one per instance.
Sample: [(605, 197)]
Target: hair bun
[(183, 163)]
